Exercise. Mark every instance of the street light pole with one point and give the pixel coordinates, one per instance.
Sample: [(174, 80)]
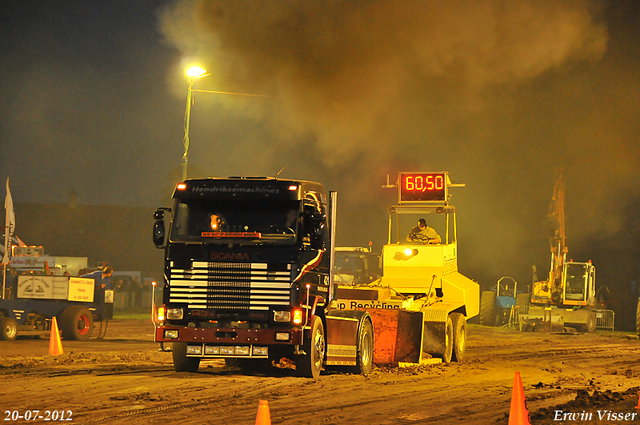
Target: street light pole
[(193, 74)]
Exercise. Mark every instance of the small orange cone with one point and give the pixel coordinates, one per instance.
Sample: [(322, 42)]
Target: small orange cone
[(264, 416), (55, 345), (638, 406), (518, 414)]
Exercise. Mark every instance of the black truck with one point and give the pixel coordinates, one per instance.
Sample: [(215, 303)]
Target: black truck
[(248, 266)]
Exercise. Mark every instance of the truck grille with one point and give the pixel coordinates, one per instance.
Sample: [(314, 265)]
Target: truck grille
[(231, 286)]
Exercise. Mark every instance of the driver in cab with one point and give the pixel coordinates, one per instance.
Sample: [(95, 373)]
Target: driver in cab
[(423, 233), (215, 223)]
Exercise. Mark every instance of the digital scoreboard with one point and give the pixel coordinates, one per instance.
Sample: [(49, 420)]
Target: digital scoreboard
[(422, 187)]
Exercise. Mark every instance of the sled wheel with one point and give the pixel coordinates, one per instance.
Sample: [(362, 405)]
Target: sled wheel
[(459, 336), (447, 343)]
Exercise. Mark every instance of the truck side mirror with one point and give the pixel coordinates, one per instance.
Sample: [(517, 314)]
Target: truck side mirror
[(158, 228), (316, 226)]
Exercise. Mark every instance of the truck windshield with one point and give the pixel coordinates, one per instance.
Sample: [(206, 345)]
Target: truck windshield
[(575, 283), (247, 222)]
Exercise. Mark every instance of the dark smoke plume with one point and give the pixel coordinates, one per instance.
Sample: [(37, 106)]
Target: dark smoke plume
[(499, 93)]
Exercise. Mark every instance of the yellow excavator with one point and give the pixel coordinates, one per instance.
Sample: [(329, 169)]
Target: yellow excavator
[(566, 298)]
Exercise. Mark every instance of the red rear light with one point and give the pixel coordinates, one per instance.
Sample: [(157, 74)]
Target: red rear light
[(181, 186)]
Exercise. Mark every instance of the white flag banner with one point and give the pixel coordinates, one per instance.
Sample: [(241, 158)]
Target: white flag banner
[(9, 223)]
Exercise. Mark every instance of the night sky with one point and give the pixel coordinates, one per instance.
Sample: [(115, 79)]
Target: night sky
[(498, 93)]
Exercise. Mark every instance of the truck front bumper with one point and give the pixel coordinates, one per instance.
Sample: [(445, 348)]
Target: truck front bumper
[(218, 342)]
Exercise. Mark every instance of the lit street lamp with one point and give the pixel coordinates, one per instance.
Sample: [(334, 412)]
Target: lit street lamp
[(193, 74)]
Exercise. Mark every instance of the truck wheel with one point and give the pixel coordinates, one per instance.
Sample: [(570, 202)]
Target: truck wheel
[(8, 329), (364, 361), (459, 336), (310, 364), (182, 363), (488, 308), (76, 322)]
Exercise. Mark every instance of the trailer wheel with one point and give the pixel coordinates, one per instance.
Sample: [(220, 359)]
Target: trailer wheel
[(8, 329), (364, 361), (459, 336), (182, 363), (310, 364), (488, 308), (76, 322)]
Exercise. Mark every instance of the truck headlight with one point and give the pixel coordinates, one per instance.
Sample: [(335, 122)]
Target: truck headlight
[(212, 350), (282, 316), (282, 336), (260, 351), (242, 351), (227, 351), (175, 313), (194, 349), (171, 333)]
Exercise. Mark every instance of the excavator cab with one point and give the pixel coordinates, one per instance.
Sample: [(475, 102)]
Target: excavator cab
[(579, 284)]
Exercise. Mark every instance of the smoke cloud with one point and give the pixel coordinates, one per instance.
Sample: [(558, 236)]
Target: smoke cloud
[(498, 93)]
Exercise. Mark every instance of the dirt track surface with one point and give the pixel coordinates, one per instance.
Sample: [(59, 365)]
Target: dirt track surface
[(124, 379)]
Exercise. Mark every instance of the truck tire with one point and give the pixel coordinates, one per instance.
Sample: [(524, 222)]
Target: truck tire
[(182, 363), (638, 319), (310, 364), (459, 336), (488, 308), (76, 322), (364, 361), (8, 329)]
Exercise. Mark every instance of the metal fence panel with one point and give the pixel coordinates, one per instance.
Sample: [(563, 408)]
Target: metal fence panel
[(605, 319)]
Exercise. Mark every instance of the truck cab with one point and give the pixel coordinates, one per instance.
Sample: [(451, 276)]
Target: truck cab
[(247, 273)]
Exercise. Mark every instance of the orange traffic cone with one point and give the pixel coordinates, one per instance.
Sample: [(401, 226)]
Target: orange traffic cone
[(55, 345), (518, 414), (263, 417), (638, 406)]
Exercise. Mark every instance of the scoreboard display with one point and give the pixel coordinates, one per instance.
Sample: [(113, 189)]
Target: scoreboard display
[(422, 187)]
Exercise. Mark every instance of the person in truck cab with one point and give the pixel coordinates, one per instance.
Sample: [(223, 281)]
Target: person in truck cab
[(423, 233), (215, 223)]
